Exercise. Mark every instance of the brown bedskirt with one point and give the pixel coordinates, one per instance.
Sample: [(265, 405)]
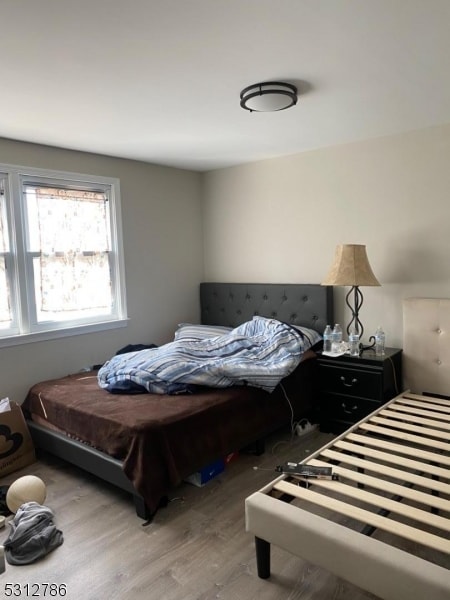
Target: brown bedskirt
[(162, 439)]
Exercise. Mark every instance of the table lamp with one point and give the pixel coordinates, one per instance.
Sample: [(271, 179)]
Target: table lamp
[(351, 267)]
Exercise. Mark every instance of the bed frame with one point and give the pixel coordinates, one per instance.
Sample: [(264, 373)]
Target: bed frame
[(230, 304), (393, 471)]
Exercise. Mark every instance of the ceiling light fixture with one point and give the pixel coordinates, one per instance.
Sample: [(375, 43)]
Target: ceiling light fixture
[(270, 96)]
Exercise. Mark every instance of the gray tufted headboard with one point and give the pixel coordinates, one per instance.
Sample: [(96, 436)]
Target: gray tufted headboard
[(231, 304)]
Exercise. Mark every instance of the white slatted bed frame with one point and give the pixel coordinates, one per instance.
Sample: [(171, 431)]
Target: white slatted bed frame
[(385, 525)]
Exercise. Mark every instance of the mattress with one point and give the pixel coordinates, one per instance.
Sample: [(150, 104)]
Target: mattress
[(162, 439)]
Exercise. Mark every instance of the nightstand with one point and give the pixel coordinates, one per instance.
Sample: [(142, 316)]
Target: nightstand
[(351, 387)]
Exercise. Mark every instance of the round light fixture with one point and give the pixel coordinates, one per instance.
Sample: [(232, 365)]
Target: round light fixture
[(270, 96)]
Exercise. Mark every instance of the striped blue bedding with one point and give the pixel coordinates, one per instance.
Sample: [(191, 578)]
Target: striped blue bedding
[(258, 353)]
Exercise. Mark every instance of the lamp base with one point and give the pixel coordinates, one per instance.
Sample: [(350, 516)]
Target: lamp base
[(369, 347), (355, 323)]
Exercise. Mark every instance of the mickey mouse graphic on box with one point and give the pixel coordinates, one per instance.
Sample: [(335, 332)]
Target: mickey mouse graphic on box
[(16, 446)]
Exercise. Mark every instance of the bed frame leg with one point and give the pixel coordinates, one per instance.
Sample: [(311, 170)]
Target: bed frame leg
[(141, 508), (256, 448), (262, 558)]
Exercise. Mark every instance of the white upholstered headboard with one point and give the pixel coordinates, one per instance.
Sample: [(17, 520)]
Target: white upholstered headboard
[(426, 345)]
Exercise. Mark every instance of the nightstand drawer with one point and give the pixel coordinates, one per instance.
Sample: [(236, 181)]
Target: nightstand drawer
[(344, 408), (351, 382)]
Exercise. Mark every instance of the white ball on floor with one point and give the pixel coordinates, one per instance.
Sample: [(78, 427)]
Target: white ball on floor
[(28, 488)]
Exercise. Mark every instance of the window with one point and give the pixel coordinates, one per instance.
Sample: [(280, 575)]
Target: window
[(61, 258)]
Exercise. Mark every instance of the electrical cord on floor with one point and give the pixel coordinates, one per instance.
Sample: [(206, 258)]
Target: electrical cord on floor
[(292, 423), (292, 410), (299, 428)]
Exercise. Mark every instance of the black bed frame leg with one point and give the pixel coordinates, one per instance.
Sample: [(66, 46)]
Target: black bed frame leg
[(262, 558), (256, 448), (142, 510), (260, 447)]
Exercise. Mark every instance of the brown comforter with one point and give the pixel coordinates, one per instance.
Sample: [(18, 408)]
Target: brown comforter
[(162, 439)]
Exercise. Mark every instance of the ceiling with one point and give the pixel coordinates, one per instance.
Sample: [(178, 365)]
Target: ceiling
[(159, 80)]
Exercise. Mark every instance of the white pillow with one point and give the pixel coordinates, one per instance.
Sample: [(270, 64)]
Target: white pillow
[(189, 331)]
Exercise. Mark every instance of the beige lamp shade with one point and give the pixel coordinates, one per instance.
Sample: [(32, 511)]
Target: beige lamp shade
[(351, 267)]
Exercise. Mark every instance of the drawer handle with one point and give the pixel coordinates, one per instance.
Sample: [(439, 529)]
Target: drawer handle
[(349, 411), (351, 384)]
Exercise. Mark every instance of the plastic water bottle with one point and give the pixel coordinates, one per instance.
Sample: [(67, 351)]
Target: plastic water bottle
[(353, 342), (337, 333), (337, 338), (380, 341), (327, 339)]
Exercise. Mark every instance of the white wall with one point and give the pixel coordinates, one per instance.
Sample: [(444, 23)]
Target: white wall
[(273, 221), (279, 220), (161, 214)]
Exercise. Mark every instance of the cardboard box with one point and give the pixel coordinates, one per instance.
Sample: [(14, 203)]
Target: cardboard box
[(16, 446), (200, 478)]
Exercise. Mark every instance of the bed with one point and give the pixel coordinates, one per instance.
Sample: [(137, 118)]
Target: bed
[(148, 443), (383, 522)]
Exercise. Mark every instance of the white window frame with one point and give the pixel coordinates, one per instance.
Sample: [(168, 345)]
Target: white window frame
[(25, 327)]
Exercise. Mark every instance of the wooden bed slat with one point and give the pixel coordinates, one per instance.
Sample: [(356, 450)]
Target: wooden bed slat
[(418, 411), (384, 470), (415, 465), (416, 514), (392, 414), (438, 407), (408, 427), (411, 533), (432, 457), (407, 437), (395, 489), (426, 399)]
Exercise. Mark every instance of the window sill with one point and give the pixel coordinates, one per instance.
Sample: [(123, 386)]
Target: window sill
[(42, 336)]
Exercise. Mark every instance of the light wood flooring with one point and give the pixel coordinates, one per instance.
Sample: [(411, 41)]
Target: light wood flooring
[(195, 549)]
